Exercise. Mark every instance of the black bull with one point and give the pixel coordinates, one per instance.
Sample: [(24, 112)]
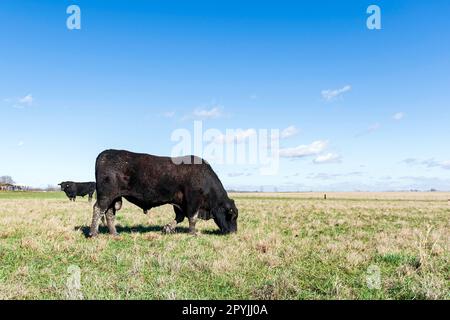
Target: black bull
[(188, 183), (80, 189)]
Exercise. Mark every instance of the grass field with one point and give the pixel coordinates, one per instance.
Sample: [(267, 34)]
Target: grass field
[(289, 246)]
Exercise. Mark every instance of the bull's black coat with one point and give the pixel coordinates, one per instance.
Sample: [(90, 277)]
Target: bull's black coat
[(188, 183), (80, 189)]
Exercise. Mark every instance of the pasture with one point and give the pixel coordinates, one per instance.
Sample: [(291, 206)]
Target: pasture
[(288, 246)]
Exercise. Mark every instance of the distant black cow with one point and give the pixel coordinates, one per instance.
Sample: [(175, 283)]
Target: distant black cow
[(81, 189), (188, 183)]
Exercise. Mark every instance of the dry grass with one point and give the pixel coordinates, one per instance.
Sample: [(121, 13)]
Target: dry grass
[(289, 246)]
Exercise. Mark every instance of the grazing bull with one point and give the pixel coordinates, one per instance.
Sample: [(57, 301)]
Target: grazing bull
[(188, 183), (80, 189)]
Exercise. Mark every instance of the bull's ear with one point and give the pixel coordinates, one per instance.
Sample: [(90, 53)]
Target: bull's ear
[(230, 204)]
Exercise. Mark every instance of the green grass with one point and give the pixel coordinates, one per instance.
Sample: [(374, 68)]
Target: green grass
[(286, 248), (9, 195)]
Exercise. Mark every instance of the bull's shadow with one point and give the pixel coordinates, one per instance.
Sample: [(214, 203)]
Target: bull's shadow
[(213, 232), (130, 229)]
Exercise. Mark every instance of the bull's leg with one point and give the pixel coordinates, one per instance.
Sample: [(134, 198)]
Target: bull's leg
[(110, 221), (90, 197), (192, 222), (97, 213), (179, 217)]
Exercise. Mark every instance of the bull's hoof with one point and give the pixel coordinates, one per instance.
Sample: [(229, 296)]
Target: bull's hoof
[(92, 234), (168, 229), (193, 233)]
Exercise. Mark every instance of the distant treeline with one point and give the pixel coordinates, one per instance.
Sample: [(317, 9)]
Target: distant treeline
[(7, 183)]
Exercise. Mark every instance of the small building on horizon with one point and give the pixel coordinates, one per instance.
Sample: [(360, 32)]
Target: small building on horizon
[(11, 187)]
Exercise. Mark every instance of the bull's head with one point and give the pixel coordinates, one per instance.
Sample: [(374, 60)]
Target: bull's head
[(225, 216), (64, 185)]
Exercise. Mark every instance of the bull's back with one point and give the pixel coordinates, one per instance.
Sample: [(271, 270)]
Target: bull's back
[(128, 170), (84, 188), (120, 171)]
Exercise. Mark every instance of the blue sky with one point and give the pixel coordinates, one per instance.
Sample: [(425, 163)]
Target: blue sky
[(375, 102)]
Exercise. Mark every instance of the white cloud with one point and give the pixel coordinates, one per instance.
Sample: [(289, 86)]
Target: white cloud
[(330, 95), (414, 161), (27, 100), (241, 136), (244, 172), (289, 132), (372, 128), (237, 136), (410, 161), (235, 174), (432, 163), (21, 102), (445, 164), (20, 144), (429, 163), (332, 176), (312, 149), (285, 133), (398, 116), (328, 158), (212, 113), (425, 183)]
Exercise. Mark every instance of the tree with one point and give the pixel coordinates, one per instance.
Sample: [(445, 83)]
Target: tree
[(6, 180), (51, 187)]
